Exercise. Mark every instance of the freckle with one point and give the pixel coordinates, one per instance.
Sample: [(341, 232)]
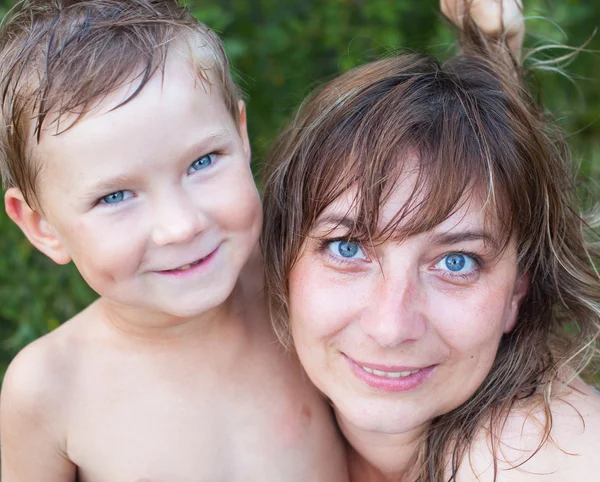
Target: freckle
[(306, 414)]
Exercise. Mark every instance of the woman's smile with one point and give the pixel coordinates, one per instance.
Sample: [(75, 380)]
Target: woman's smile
[(389, 378)]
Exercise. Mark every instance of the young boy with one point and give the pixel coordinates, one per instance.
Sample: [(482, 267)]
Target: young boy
[(125, 151)]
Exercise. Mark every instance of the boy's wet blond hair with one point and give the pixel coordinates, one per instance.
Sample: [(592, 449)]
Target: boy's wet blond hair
[(63, 57)]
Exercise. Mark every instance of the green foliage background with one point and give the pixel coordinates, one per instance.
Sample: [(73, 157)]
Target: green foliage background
[(280, 50)]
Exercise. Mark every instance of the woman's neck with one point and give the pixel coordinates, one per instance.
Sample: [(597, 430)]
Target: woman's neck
[(381, 457)]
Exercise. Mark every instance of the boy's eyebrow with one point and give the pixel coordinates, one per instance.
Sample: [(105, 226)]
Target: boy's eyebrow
[(213, 137), (106, 185), (205, 143)]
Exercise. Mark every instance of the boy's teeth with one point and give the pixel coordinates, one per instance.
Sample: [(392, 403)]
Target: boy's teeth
[(380, 373), (188, 266)]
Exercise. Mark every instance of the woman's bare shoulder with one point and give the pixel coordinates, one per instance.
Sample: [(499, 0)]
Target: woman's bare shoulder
[(522, 453)]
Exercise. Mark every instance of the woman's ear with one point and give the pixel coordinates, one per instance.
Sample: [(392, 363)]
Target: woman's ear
[(519, 292), (34, 225), (244, 129)]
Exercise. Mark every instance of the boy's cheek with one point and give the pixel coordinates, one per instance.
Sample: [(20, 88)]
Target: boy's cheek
[(105, 251), (236, 202)]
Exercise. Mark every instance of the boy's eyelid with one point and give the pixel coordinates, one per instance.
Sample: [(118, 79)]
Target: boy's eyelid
[(214, 153), (109, 186), (214, 161), (219, 145), (100, 201), (206, 144)]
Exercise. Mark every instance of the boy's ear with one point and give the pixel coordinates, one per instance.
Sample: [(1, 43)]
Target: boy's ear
[(37, 229), (244, 129)]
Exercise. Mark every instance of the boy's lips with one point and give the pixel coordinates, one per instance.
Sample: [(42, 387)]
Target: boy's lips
[(189, 266)]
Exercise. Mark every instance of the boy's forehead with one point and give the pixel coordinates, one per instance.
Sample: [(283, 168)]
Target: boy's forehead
[(122, 128), (179, 70)]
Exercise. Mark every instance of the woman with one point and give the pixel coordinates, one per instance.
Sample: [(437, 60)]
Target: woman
[(425, 254)]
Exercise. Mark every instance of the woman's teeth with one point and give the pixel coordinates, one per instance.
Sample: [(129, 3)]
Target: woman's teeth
[(380, 373)]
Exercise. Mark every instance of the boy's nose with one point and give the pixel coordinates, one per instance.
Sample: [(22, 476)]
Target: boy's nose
[(176, 220), (396, 313)]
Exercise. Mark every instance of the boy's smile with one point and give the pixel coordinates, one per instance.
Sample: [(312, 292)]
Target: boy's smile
[(193, 267), (154, 201)]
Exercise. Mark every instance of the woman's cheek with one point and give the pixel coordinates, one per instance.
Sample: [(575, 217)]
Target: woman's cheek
[(320, 304), (470, 326)]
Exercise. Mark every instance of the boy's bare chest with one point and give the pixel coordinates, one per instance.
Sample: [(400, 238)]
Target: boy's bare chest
[(188, 423)]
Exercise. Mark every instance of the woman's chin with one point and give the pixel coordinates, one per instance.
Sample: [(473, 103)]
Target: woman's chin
[(379, 418)]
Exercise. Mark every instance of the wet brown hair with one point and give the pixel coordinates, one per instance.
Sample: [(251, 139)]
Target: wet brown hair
[(474, 129), (60, 57)]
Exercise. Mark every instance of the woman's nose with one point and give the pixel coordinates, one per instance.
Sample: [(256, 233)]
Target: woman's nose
[(397, 313)]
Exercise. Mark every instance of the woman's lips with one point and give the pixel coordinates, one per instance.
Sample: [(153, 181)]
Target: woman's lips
[(390, 378)]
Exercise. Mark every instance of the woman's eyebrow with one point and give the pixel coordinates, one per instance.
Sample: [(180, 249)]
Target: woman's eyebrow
[(336, 221), (462, 236)]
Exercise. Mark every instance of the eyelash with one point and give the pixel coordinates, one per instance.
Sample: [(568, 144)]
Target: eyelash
[(214, 156), (323, 247), (478, 261), (100, 201)]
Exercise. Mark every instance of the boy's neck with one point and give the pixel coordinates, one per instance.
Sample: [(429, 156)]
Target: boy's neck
[(148, 325)]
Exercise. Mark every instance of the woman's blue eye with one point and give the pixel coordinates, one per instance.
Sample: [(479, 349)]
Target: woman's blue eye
[(457, 263), (202, 163), (116, 197), (347, 249)]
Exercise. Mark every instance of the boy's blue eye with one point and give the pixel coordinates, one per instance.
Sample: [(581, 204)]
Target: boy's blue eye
[(457, 263), (116, 197), (347, 249), (202, 163)]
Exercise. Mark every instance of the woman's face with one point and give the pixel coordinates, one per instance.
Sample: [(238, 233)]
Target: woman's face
[(402, 332)]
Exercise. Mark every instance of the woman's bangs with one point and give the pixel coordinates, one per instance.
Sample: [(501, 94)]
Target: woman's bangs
[(441, 176)]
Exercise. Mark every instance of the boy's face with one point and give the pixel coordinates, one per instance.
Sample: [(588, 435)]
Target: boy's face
[(154, 201)]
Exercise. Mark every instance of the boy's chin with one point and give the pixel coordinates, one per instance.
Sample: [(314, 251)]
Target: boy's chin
[(169, 310), (194, 308)]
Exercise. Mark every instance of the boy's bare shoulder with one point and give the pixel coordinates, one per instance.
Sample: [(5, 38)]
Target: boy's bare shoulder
[(37, 380), (570, 452)]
